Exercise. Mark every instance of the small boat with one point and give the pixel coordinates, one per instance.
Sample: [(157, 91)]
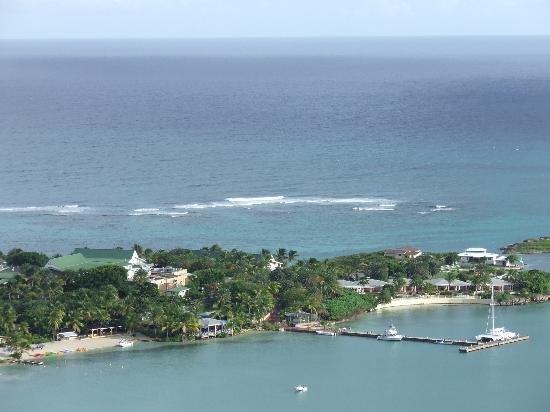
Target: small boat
[(300, 388), (390, 334), (125, 343), (325, 332), (443, 342)]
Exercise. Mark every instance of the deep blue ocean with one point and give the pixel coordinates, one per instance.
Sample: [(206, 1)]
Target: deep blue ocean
[(326, 146)]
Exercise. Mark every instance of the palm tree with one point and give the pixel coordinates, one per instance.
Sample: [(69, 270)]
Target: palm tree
[(55, 318), (292, 254), (449, 276), (75, 321), (281, 255), (480, 280), (512, 259), (418, 283), (400, 283), (8, 316)]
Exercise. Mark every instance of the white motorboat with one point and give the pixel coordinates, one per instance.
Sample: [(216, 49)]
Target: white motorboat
[(390, 334), (125, 343), (325, 332), (495, 334), (300, 388)]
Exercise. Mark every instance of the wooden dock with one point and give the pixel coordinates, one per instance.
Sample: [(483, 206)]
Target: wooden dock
[(488, 345), (373, 335), (466, 346)]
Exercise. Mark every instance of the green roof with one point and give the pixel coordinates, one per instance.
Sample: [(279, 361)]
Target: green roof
[(117, 254), (7, 276), (85, 258)]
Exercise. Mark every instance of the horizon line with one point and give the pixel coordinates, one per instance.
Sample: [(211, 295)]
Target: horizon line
[(305, 37)]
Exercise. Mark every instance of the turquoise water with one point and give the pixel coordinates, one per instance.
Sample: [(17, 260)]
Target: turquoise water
[(113, 142), (258, 371)]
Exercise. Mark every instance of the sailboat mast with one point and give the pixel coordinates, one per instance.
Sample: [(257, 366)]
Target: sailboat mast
[(493, 306)]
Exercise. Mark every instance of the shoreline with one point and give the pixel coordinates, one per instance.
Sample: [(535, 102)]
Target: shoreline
[(56, 349), (433, 300)]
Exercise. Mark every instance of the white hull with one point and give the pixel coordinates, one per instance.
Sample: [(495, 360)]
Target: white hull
[(390, 338), (325, 333), (495, 334), (125, 344)]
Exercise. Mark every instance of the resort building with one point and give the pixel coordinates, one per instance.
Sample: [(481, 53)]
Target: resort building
[(403, 253), (84, 258), (168, 277), (273, 264), (364, 286), (210, 328), (456, 285), (475, 255), (408, 287), (500, 285)]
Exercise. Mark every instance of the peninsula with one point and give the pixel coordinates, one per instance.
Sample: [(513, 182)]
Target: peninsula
[(530, 246), (185, 294)]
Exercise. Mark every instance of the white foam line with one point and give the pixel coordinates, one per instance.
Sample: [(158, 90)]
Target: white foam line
[(62, 209), (274, 200)]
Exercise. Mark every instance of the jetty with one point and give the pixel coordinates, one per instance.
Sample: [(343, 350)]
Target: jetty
[(465, 346), (488, 345), (374, 335)]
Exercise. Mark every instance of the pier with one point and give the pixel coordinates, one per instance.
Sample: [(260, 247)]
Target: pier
[(466, 346), (488, 345)]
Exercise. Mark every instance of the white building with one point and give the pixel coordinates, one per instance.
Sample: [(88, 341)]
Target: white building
[(475, 255), (404, 253), (368, 286)]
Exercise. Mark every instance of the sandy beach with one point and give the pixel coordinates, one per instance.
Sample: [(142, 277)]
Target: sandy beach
[(433, 300), (76, 345)]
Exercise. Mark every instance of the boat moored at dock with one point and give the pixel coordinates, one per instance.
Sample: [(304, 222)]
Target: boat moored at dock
[(325, 332), (390, 334)]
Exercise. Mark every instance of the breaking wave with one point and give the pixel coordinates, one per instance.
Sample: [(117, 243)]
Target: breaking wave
[(282, 200), (375, 208), (52, 210), (156, 212), (441, 208)]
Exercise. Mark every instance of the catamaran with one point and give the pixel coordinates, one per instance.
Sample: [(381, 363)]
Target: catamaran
[(494, 334)]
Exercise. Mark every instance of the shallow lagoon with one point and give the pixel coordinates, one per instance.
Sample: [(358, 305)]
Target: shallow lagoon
[(257, 371)]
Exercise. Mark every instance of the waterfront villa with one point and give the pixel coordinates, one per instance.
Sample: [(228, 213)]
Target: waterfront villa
[(475, 255), (403, 253), (456, 285), (364, 286), (500, 285), (168, 278), (408, 287), (210, 328), (84, 258)]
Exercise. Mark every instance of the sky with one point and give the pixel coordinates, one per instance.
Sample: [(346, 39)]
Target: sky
[(46, 19)]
